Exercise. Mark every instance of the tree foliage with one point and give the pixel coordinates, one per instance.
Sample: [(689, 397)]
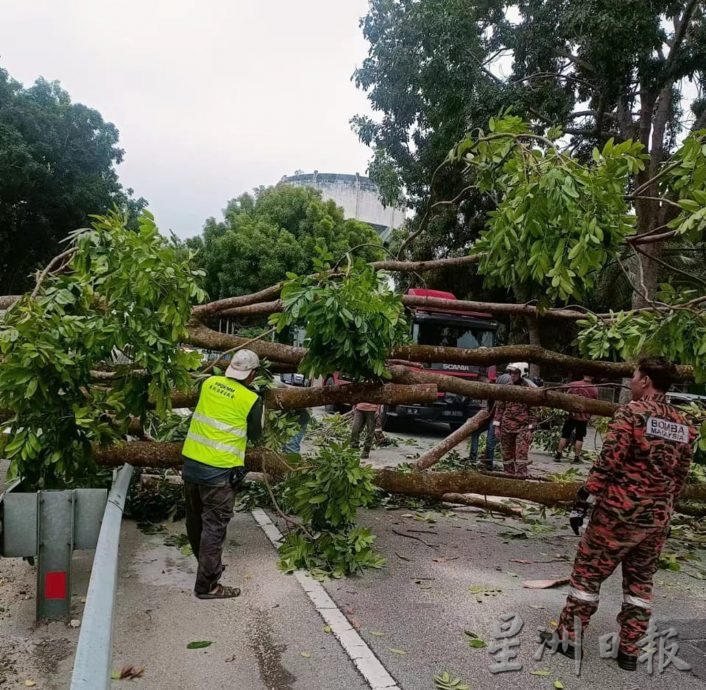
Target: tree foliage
[(556, 221), (437, 69), (276, 231), (351, 321), (123, 293), (57, 166), (325, 491)]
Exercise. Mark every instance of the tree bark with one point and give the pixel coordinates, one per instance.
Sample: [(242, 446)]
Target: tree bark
[(431, 457), (202, 336), (482, 502), (387, 394), (535, 340), (537, 397), (7, 301), (427, 484), (219, 305), (484, 308)]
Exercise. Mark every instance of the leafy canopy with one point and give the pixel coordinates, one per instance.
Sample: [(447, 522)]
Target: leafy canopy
[(57, 166), (351, 319), (262, 237), (123, 293), (556, 221)]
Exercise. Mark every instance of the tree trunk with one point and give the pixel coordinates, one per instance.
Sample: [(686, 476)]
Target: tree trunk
[(535, 339), (386, 394), (537, 397), (426, 484), (203, 336), (263, 308), (431, 457)]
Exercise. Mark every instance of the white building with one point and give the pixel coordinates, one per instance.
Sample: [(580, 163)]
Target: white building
[(357, 195)]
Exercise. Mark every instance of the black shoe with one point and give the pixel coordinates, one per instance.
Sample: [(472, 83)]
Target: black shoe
[(557, 457), (627, 662), (577, 460), (569, 652)]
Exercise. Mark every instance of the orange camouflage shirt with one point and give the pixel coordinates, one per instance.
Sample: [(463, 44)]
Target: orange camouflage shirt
[(644, 463)]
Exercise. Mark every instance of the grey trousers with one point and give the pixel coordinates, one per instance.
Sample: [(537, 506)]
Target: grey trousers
[(209, 509), (361, 419)]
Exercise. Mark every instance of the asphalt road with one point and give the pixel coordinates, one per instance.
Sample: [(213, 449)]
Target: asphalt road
[(413, 614)]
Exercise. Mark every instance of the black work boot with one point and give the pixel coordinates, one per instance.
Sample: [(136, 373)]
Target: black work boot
[(628, 662), (577, 460), (365, 454), (569, 652), (557, 457)]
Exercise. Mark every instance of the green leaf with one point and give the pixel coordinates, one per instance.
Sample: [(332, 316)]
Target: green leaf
[(558, 685), (200, 644), (540, 672), (477, 644)]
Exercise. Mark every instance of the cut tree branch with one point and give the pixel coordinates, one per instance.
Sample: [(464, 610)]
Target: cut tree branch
[(431, 457)]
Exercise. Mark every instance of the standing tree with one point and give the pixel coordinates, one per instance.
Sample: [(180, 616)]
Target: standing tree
[(57, 167), (595, 69), (274, 232)]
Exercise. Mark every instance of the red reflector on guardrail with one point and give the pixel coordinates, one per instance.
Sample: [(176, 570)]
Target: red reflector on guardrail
[(55, 585)]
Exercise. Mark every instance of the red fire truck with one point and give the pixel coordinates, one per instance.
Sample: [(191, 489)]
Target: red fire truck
[(449, 328)]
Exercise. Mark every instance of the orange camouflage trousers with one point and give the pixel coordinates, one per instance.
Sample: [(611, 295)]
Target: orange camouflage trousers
[(606, 542), (515, 447)]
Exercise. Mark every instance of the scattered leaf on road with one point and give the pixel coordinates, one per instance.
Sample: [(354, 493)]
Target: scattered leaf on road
[(306, 655), (328, 629), (558, 685), (129, 672), (477, 644), (539, 672), (394, 650), (377, 633), (199, 644), (30, 683), (445, 681), (536, 606)]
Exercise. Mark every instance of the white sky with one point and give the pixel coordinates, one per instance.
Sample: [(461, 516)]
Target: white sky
[(211, 98)]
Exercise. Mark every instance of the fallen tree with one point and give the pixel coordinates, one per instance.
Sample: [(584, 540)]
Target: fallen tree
[(203, 336), (423, 484)]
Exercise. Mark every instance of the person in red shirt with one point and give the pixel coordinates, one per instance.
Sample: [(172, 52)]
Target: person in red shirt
[(577, 421)]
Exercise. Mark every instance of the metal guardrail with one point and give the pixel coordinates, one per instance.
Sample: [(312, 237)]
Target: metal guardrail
[(92, 665)]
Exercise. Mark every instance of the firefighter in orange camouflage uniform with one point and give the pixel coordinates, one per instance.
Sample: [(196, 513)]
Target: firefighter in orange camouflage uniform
[(634, 484), (515, 423)]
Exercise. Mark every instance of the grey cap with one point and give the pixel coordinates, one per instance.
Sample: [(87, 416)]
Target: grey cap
[(243, 362)]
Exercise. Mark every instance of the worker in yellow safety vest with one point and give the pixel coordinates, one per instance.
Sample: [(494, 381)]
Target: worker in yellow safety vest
[(229, 413)]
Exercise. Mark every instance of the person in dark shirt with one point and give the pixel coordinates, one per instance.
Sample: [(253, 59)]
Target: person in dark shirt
[(577, 422)]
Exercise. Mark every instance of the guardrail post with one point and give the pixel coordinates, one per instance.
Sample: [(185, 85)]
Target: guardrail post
[(92, 665)]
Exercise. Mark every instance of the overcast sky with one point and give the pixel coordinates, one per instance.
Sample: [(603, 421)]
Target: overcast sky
[(211, 98)]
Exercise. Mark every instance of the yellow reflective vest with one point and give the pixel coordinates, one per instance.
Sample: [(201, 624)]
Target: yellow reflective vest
[(218, 430)]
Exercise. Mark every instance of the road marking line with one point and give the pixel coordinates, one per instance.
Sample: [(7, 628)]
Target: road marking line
[(370, 667)]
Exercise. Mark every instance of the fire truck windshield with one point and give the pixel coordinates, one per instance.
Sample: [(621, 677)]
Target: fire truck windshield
[(452, 335)]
